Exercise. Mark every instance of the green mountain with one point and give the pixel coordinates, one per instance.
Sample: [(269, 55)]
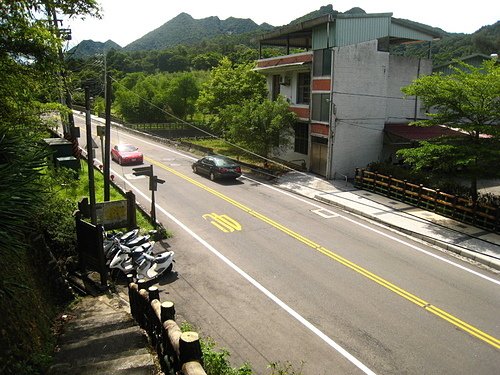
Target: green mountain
[(185, 30), (324, 10), (89, 48)]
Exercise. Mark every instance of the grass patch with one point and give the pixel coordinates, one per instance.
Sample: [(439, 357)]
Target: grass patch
[(219, 146)]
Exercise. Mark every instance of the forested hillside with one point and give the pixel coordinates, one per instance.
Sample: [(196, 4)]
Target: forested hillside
[(89, 48), (186, 30)]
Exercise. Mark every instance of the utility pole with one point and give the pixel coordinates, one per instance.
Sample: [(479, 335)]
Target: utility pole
[(71, 133), (107, 137), (90, 156)]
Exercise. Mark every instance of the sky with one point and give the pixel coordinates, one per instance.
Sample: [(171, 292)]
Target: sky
[(124, 21)]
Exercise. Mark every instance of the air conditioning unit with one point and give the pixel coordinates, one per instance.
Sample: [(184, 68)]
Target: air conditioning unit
[(285, 80)]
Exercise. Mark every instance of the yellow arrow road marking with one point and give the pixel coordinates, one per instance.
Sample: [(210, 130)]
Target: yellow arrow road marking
[(362, 271), (223, 222)]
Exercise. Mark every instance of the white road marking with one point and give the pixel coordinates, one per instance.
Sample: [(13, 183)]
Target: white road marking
[(327, 214)]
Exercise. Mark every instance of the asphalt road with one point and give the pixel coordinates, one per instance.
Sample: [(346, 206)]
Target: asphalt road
[(274, 277)]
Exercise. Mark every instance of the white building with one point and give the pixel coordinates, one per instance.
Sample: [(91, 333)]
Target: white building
[(345, 86)]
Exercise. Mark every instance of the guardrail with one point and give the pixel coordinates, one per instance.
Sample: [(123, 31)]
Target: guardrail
[(178, 352), (455, 207)]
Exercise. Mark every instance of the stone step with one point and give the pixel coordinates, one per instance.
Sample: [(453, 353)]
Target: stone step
[(139, 364), (96, 326), (111, 343), (101, 337)]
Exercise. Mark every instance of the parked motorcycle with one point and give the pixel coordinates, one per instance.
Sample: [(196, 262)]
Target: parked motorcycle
[(123, 259), (152, 266), (130, 239), (112, 239)]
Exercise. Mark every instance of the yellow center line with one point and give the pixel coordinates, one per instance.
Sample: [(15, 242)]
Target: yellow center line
[(353, 266)]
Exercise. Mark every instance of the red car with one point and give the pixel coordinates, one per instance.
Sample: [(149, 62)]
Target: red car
[(126, 154)]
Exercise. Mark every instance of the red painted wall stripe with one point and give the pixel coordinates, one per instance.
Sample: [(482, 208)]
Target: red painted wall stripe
[(300, 111), (319, 129), (321, 85)]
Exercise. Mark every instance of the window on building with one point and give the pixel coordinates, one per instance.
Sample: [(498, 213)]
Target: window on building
[(320, 107), (304, 88), (301, 138), (322, 65)]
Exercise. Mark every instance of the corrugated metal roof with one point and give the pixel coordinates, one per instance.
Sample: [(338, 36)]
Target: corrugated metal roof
[(360, 29), (419, 133), (405, 31), (348, 29)]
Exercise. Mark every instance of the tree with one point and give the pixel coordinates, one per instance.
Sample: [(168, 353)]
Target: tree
[(142, 98), (206, 61), (182, 95), (467, 100), (260, 126), (29, 67), (150, 98), (231, 84)]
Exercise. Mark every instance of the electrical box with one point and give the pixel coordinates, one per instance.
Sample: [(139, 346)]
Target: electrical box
[(68, 162)]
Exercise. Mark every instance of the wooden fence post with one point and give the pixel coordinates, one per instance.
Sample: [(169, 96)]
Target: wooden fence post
[(173, 333), (131, 213), (167, 311), (153, 293), (132, 297), (156, 327), (436, 199), (189, 348), (142, 303), (420, 188), (167, 357)]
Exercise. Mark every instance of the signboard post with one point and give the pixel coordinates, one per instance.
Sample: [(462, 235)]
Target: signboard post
[(153, 186)]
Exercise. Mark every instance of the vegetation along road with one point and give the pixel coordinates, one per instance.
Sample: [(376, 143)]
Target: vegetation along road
[(275, 277)]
